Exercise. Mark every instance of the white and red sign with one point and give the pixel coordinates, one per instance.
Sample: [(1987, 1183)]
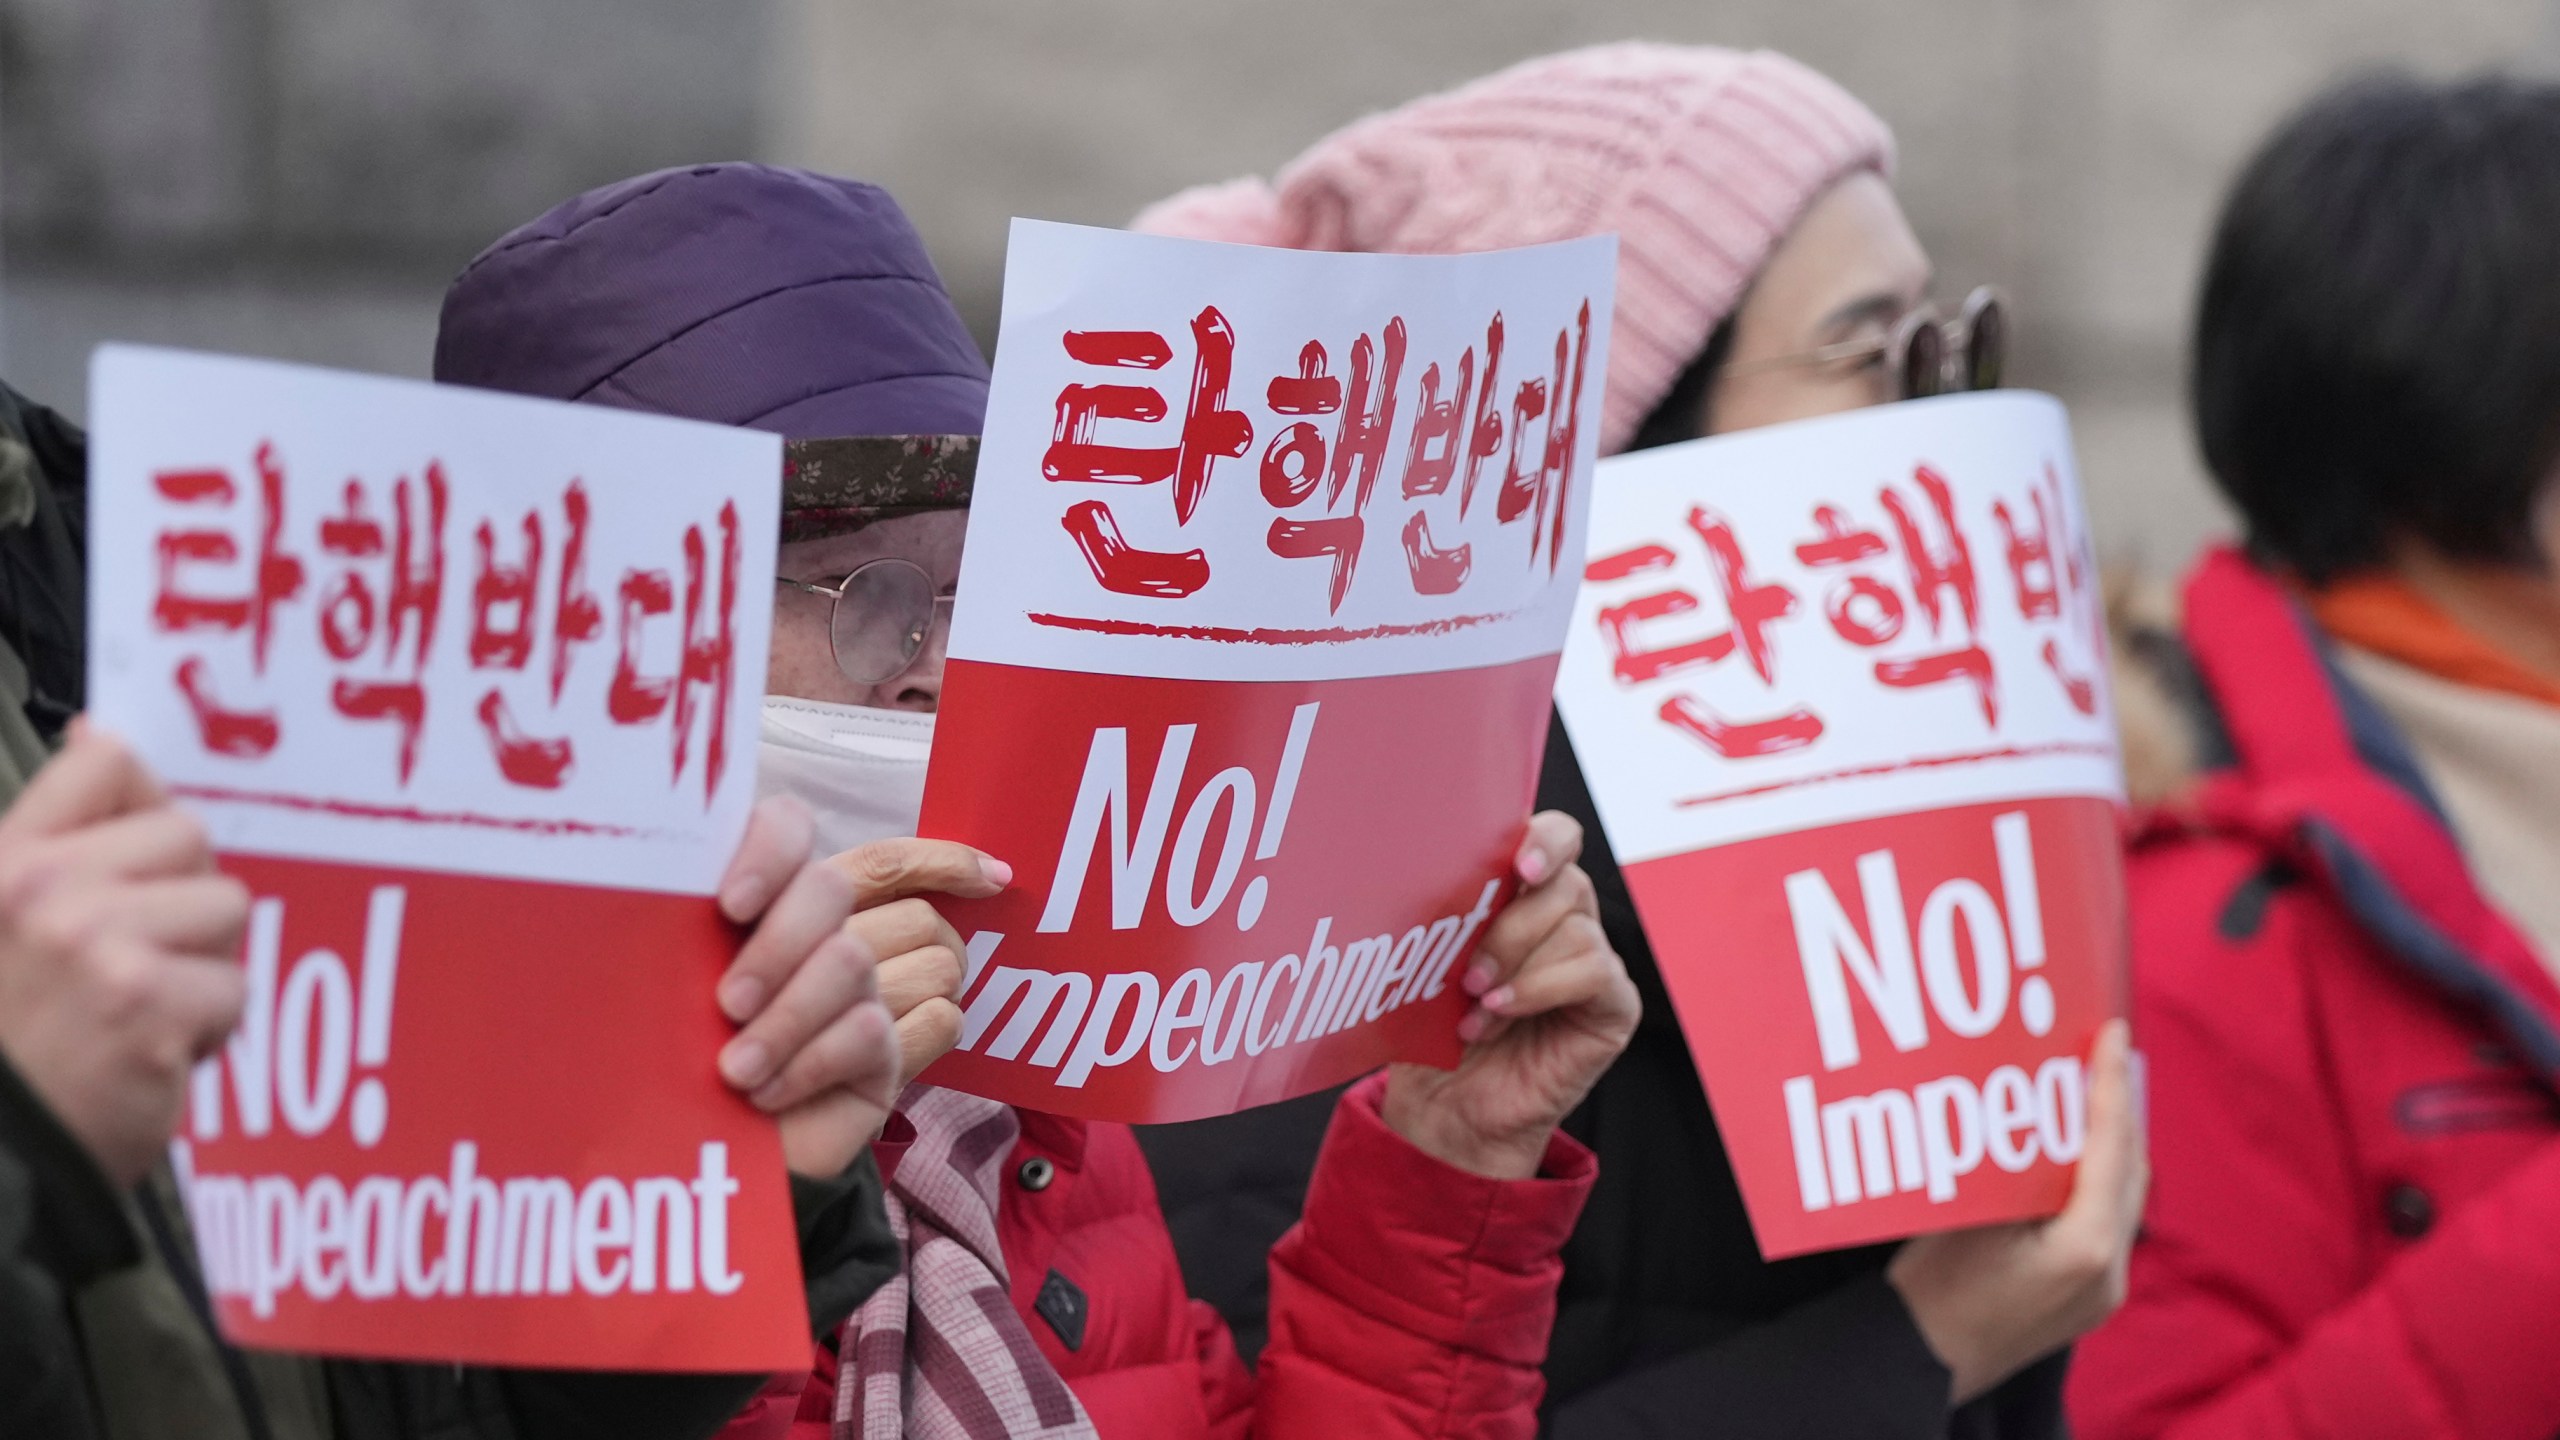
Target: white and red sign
[(1269, 559), (465, 686), (1840, 691)]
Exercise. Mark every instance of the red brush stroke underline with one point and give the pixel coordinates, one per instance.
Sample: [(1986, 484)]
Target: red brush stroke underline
[(406, 814), (1926, 762), (1264, 635)]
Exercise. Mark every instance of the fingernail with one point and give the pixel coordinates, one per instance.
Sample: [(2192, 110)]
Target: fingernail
[(1533, 867), (998, 873), (740, 997), (744, 1062), (1499, 1001), (742, 897), (1479, 978), (1471, 1028)]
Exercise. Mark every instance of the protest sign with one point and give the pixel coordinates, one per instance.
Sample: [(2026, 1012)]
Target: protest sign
[(1840, 691), (465, 687), (1268, 562)]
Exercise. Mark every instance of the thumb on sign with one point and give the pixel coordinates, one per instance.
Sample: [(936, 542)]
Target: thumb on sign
[(119, 947), (1554, 1008), (816, 1045), (1993, 1300)]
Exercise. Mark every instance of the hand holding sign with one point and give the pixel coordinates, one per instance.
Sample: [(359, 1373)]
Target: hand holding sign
[(1554, 1008), (117, 950), (817, 1047), (455, 681), (923, 962), (1264, 790), (1839, 688), (1992, 1301)]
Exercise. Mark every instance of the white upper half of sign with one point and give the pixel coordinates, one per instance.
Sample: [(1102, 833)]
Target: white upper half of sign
[(395, 713), (1891, 610), (1373, 489)]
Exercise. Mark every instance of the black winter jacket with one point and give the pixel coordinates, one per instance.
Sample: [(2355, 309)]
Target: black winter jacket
[(1668, 1323)]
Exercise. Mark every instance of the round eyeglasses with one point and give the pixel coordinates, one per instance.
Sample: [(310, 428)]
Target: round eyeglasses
[(879, 617), (1926, 355)]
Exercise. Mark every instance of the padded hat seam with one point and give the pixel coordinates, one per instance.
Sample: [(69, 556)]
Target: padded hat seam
[(664, 341), (508, 245), (762, 415)]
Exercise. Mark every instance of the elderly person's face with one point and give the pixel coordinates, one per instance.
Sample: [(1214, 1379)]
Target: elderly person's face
[(803, 663), (1848, 271)]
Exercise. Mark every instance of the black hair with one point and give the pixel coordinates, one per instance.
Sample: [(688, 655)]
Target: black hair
[(2377, 346), (1683, 412)]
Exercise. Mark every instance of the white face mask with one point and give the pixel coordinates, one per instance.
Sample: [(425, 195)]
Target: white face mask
[(859, 770)]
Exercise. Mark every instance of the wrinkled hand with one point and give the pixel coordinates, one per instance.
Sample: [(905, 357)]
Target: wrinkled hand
[(119, 950), (1993, 1301), (925, 960), (834, 939), (1554, 1007)]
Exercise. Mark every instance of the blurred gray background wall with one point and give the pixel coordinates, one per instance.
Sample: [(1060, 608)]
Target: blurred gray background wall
[(300, 177)]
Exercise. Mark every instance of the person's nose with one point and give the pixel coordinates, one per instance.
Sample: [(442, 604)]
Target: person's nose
[(921, 687)]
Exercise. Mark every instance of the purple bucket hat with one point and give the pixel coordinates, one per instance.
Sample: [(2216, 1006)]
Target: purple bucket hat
[(744, 295)]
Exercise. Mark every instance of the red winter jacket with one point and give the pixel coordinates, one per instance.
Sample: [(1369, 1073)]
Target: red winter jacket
[(2354, 1227), (1412, 1299)]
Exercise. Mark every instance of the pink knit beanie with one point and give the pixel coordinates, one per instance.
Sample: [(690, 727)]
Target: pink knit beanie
[(1700, 159)]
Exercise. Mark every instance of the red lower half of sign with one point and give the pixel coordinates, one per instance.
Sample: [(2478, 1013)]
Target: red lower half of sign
[(1893, 1016), (1225, 893), (477, 1121)]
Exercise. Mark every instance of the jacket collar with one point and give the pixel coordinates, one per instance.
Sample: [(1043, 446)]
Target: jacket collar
[(1060, 1137), (2313, 766)]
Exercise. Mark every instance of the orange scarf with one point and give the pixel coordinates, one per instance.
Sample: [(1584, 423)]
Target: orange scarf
[(2384, 615)]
